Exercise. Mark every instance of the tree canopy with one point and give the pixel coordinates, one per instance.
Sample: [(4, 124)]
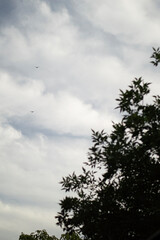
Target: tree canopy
[(43, 235), (117, 196), (37, 235)]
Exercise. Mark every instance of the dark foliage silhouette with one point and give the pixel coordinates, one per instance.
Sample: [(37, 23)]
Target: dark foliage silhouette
[(117, 196)]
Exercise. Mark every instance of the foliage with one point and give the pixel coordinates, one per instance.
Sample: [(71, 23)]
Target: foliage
[(37, 235), (43, 235), (118, 192), (156, 56), (72, 236)]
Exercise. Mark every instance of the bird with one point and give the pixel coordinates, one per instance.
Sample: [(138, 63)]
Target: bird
[(36, 67), (32, 111)]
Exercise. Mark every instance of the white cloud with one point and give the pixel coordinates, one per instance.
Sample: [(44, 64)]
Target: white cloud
[(60, 112), (31, 170), (27, 219), (131, 21)]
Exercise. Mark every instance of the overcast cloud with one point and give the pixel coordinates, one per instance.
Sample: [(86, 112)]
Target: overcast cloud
[(85, 52)]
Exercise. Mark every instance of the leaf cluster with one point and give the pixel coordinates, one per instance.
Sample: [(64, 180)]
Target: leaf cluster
[(156, 56)]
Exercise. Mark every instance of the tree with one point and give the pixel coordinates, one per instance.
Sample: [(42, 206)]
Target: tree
[(117, 196), (37, 235), (43, 235)]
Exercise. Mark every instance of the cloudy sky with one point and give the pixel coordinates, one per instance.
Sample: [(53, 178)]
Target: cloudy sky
[(85, 50)]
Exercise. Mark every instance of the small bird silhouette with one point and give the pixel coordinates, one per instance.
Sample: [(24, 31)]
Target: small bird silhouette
[(36, 67), (32, 111)]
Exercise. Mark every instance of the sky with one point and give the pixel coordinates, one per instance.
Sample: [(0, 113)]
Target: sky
[(85, 52)]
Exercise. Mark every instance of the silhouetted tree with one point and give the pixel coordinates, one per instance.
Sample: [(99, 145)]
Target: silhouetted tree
[(118, 193), (37, 235), (43, 235)]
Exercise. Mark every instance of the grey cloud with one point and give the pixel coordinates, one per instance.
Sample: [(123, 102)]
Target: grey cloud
[(57, 5), (30, 130), (13, 12), (7, 12)]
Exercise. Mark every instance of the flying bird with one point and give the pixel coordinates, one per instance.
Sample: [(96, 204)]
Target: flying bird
[(36, 67), (32, 111)]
